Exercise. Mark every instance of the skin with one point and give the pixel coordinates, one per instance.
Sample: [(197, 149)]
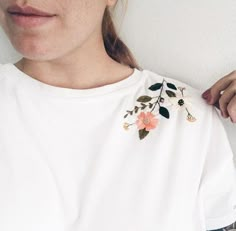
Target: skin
[(226, 102), (62, 52)]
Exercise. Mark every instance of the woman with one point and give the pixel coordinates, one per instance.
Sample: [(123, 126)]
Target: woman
[(89, 141)]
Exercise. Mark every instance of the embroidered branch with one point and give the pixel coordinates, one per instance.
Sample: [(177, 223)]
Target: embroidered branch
[(147, 121)]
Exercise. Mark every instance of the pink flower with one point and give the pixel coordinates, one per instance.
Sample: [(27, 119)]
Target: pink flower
[(147, 121)]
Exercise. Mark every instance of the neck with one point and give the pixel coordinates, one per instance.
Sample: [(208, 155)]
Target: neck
[(87, 67)]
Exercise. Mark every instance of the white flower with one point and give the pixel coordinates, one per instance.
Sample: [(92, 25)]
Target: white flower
[(181, 102)]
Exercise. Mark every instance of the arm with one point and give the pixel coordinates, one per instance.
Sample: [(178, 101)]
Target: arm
[(230, 227)]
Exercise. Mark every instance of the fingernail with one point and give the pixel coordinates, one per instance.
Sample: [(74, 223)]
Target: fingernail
[(206, 93)]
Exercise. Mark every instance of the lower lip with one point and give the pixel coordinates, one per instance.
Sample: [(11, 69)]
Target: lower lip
[(30, 21)]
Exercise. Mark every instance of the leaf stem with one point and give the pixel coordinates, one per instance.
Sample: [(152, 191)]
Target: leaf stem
[(159, 96)]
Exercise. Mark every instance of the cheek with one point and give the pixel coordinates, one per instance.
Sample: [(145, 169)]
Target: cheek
[(79, 25)]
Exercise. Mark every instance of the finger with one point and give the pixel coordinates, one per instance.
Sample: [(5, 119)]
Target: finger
[(220, 86), (226, 97), (232, 109)]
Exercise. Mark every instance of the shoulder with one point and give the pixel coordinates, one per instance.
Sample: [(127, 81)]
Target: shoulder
[(174, 103), (183, 104), (188, 111)]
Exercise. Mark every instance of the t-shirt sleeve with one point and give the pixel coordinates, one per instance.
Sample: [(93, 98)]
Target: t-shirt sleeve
[(218, 182)]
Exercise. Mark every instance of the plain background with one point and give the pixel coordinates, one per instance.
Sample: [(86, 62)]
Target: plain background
[(189, 40)]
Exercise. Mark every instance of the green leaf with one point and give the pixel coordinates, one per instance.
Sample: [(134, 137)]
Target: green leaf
[(142, 133), (164, 112), (144, 98), (170, 93), (155, 86), (172, 86)]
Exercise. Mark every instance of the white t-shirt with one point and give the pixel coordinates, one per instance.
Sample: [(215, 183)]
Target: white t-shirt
[(142, 154)]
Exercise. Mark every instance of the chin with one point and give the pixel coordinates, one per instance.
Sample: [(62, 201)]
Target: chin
[(34, 52)]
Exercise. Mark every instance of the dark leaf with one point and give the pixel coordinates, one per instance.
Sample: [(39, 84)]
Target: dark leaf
[(125, 115), (164, 112), (143, 106), (155, 86), (144, 98), (172, 86), (150, 105), (170, 93), (142, 133), (136, 109)]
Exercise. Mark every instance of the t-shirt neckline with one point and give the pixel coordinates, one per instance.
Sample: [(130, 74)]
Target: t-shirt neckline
[(50, 90)]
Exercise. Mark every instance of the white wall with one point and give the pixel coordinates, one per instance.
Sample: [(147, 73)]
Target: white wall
[(190, 40)]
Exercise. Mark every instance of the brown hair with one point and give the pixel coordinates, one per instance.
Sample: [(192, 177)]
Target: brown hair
[(114, 46)]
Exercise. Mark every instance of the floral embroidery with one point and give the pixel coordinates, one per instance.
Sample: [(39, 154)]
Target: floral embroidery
[(147, 121)]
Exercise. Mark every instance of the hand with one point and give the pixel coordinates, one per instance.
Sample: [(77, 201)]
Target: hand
[(223, 96)]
